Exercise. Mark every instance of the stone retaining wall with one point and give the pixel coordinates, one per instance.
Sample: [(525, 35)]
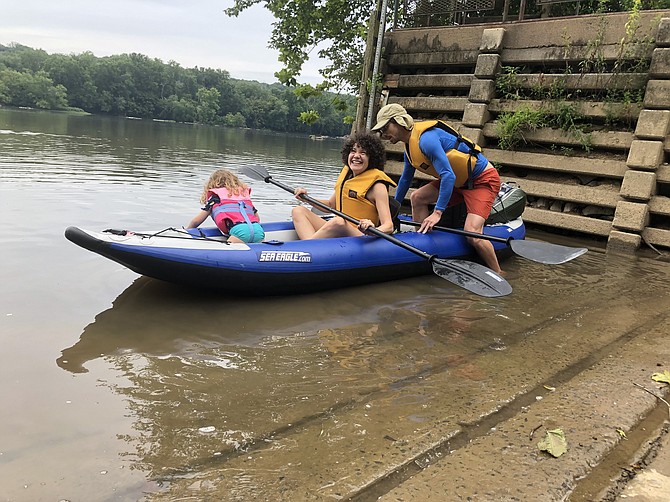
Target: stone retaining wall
[(618, 187)]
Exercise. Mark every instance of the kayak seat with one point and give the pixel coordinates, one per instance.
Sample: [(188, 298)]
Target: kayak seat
[(453, 216), (395, 206)]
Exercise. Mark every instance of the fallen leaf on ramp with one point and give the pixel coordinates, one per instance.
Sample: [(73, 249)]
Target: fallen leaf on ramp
[(661, 377), (554, 443)]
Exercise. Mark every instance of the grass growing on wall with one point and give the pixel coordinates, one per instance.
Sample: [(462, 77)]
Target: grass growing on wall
[(557, 108), (561, 115)]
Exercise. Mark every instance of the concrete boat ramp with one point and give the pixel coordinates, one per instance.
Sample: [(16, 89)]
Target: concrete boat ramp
[(467, 426)]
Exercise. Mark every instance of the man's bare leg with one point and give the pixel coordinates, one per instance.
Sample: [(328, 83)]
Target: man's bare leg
[(421, 199), (475, 223)]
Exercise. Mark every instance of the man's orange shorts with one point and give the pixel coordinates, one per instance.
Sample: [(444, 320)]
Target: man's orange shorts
[(479, 200)]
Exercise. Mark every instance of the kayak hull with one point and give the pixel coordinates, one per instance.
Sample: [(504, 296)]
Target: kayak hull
[(281, 265)]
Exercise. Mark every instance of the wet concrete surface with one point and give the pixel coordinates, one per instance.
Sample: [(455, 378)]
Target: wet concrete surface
[(590, 406), (652, 484), (468, 428)]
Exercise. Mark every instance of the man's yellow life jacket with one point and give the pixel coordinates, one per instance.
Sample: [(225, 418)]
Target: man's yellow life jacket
[(461, 162)]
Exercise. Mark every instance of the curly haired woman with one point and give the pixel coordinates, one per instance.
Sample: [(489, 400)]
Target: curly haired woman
[(361, 191)]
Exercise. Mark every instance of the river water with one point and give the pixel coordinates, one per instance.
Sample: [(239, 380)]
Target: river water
[(118, 387)]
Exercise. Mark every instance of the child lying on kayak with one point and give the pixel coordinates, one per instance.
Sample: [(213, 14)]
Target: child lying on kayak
[(227, 200)]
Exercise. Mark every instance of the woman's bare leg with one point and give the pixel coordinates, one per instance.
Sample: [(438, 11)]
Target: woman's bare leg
[(306, 223), (336, 227)]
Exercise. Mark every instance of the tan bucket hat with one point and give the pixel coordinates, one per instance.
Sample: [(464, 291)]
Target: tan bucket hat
[(395, 112)]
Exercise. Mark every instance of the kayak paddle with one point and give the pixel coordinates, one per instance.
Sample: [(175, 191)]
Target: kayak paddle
[(472, 276), (539, 251)]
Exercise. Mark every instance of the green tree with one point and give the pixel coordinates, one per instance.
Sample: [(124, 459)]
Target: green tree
[(179, 109), (340, 26), (256, 101), (4, 90), (234, 120), (74, 73), (133, 84), (32, 90), (22, 58), (208, 105)]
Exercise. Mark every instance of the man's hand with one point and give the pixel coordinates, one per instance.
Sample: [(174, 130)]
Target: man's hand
[(432, 220)]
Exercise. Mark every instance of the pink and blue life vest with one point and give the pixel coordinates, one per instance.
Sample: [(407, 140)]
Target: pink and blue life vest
[(232, 209)]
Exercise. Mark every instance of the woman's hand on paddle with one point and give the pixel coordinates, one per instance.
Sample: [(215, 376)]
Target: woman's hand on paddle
[(298, 192), (364, 224)]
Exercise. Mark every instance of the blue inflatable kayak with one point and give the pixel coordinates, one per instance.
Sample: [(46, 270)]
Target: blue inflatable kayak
[(281, 264)]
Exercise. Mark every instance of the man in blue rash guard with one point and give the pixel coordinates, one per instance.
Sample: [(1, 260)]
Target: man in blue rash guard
[(461, 172)]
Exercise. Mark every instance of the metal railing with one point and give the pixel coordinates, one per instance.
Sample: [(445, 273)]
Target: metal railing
[(422, 13)]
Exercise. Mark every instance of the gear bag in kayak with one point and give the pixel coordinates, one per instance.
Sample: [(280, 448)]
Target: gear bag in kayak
[(509, 204)]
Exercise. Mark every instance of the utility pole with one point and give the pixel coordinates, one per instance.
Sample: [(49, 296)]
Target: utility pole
[(363, 95)]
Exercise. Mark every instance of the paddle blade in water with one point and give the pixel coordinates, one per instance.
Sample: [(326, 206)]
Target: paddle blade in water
[(545, 252), (472, 276)]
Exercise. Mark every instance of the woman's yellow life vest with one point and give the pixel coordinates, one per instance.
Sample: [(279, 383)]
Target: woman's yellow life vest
[(461, 163), (350, 193)]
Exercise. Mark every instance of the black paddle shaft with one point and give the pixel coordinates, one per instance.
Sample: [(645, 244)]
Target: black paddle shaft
[(371, 230)]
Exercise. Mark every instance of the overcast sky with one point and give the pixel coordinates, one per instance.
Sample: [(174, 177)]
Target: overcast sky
[(190, 32)]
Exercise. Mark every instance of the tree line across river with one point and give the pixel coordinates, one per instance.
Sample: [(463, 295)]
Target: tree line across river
[(135, 85)]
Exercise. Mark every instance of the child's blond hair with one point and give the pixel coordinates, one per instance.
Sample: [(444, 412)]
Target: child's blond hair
[(223, 178)]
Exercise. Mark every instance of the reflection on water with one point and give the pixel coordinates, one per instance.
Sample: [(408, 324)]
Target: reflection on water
[(208, 378), (107, 155), (162, 319)]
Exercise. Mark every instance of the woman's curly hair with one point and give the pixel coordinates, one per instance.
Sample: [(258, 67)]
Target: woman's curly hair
[(372, 145)]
